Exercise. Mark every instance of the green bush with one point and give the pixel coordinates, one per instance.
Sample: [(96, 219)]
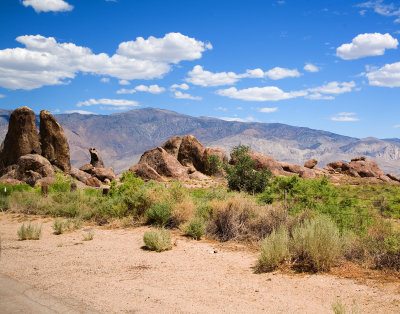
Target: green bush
[(195, 228), (316, 244), (241, 176), (213, 165), (60, 226), (159, 214), (29, 232), (157, 240), (274, 250), (61, 184)]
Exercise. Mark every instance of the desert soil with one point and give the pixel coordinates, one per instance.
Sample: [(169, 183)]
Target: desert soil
[(113, 273)]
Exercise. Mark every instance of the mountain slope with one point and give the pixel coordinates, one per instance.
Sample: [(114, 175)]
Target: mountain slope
[(121, 138)]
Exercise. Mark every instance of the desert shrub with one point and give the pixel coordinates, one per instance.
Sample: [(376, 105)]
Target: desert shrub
[(316, 244), (181, 213), (61, 184), (265, 220), (29, 232), (159, 214), (195, 228), (60, 226), (157, 240), (274, 250), (203, 211), (177, 192), (241, 176), (88, 236), (213, 165), (206, 195)]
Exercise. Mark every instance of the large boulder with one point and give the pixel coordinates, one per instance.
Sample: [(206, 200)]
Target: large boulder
[(266, 162), (172, 146), (79, 174), (95, 159), (103, 173), (53, 142), (32, 164), (191, 153), (93, 182), (22, 137), (214, 151), (164, 163), (145, 172), (366, 168), (393, 177), (87, 168), (311, 163)]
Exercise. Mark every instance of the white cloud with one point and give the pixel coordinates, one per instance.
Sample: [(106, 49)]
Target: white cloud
[(79, 111), (364, 45), (248, 119), (268, 109), (182, 86), (396, 126), (386, 76), (198, 76), (124, 82), (383, 9), (172, 48), (267, 93), (105, 80), (44, 61), (153, 89), (221, 108), (345, 117), (319, 96), (278, 73), (333, 88), (181, 95), (48, 5), (309, 67), (120, 103), (2, 96)]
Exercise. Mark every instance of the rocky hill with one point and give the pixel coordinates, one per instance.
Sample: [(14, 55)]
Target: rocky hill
[(121, 138)]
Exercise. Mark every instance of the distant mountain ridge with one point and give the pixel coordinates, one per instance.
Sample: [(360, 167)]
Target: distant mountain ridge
[(122, 137)]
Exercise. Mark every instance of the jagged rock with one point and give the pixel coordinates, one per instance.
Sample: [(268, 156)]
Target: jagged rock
[(53, 142), (172, 146), (311, 163), (145, 172), (35, 163), (10, 181), (359, 158), (191, 153), (163, 163), (264, 161), (22, 137), (80, 175), (103, 173), (93, 182), (393, 177), (95, 159), (87, 168)]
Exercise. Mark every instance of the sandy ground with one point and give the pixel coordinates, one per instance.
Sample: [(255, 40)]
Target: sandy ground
[(112, 273)]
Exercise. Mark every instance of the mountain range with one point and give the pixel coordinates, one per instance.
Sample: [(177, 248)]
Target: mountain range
[(121, 138)]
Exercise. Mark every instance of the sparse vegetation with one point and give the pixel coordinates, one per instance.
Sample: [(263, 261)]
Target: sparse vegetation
[(159, 214), (88, 236), (29, 231), (195, 228), (157, 240)]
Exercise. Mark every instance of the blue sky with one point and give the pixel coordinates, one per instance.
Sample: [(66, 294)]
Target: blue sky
[(330, 65)]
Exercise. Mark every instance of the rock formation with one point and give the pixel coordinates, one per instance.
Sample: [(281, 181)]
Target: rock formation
[(191, 153), (22, 137), (311, 163), (266, 162), (172, 146), (95, 159), (53, 142), (145, 172)]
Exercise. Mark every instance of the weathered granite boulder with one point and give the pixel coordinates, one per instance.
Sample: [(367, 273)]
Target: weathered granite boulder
[(87, 168), (267, 162), (191, 153), (145, 172), (393, 177), (80, 175), (93, 182), (22, 137), (35, 163), (95, 159), (311, 163), (172, 146), (53, 142), (103, 173), (163, 163)]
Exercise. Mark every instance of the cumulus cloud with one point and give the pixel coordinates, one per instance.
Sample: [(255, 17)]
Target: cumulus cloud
[(48, 5), (345, 117), (182, 86), (119, 103), (309, 67), (124, 82), (44, 61), (181, 95), (382, 8), (386, 76), (267, 93), (365, 45), (153, 89), (105, 80), (267, 109), (172, 48), (334, 88), (247, 119), (79, 111), (199, 76), (319, 96)]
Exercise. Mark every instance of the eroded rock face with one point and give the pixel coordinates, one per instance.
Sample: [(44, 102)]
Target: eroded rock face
[(79, 174), (93, 182), (103, 173), (163, 163), (267, 162), (145, 172), (95, 159), (214, 151), (35, 163), (53, 142), (311, 163), (172, 146), (87, 168), (22, 137), (393, 177), (191, 153)]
